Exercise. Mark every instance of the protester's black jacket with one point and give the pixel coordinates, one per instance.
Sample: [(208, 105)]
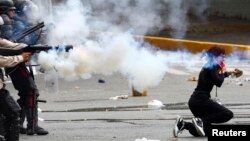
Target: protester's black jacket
[(209, 77)]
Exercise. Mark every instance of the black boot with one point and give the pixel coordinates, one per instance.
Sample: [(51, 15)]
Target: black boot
[(40, 131), (30, 121), (11, 112), (32, 126), (37, 130), (30, 131), (13, 129), (22, 130), (22, 119), (22, 116)]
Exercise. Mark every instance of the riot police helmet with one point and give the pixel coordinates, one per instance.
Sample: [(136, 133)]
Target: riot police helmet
[(6, 5), (21, 6)]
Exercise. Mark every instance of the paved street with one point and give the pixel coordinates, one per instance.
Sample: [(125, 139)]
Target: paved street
[(103, 108), (82, 109)]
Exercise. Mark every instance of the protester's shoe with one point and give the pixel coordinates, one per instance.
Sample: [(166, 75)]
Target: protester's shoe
[(198, 126), (179, 126), (37, 130), (22, 130), (40, 131)]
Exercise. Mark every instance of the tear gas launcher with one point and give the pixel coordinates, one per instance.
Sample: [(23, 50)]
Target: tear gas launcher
[(20, 36), (33, 49)]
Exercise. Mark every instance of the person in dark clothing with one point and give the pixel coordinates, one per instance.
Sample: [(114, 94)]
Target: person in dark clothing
[(205, 110), (9, 109), (20, 75)]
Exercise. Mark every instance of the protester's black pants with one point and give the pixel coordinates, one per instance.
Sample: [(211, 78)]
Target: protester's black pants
[(208, 110)]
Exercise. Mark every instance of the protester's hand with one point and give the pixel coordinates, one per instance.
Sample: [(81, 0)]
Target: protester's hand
[(26, 56)]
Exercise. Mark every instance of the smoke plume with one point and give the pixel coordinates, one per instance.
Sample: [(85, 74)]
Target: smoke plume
[(102, 33)]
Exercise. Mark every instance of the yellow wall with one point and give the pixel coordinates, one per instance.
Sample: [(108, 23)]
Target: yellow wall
[(192, 46)]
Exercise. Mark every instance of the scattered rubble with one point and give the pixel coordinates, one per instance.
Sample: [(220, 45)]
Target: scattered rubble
[(101, 81), (77, 87), (247, 79), (155, 104), (239, 83), (119, 97), (193, 78), (145, 139)]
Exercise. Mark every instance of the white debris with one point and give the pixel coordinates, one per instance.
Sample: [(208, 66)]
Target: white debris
[(155, 104), (145, 139), (39, 110), (247, 79), (119, 97), (41, 119), (239, 83)]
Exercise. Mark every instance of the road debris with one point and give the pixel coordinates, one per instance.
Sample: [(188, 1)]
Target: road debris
[(119, 97), (193, 78), (155, 104)]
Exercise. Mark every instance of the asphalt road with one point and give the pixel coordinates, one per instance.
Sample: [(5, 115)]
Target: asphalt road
[(81, 110)]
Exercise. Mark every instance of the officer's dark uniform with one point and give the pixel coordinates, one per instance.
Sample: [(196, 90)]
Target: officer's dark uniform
[(9, 115), (22, 81), (9, 109)]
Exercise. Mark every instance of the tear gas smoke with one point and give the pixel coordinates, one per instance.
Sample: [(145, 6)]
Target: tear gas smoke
[(140, 17), (199, 8), (142, 66), (44, 11), (30, 9), (178, 14), (178, 18), (140, 63)]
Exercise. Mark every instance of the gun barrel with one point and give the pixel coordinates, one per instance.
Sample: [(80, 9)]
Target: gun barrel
[(46, 47), (28, 31), (39, 100), (9, 52), (33, 49)]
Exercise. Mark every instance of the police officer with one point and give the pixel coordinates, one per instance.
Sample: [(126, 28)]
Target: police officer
[(23, 19), (7, 13), (21, 78), (9, 109)]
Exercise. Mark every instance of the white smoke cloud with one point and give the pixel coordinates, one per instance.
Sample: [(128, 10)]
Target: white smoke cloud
[(178, 18), (106, 53), (32, 10), (69, 22), (44, 11), (137, 16), (141, 64), (123, 15), (199, 8)]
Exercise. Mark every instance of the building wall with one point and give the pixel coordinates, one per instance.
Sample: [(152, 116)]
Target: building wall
[(239, 9)]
